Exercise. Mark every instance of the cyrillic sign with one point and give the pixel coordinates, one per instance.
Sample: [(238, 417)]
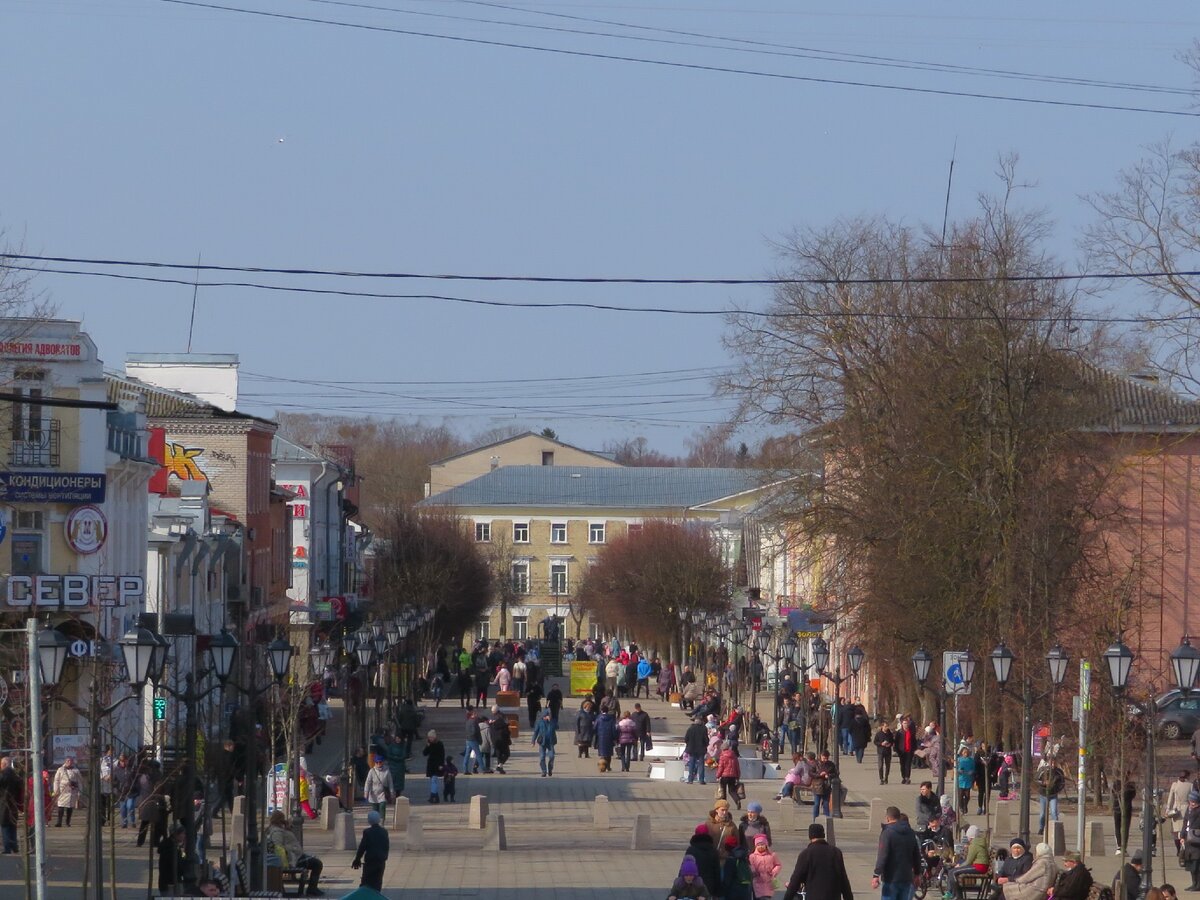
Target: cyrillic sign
[(74, 590), (52, 487)]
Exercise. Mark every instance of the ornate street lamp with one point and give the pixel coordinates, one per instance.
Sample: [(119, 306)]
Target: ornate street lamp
[(279, 656), (222, 649), (53, 647)]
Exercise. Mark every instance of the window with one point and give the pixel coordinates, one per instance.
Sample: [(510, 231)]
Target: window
[(547, 457), (520, 627), (558, 578), (558, 532), (596, 533), (520, 578), (594, 631), (483, 630), (27, 417), (483, 532), (31, 520), (520, 532)]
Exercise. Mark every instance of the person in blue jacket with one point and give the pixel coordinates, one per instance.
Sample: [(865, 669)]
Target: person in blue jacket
[(643, 678), (545, 735), (606, 738)]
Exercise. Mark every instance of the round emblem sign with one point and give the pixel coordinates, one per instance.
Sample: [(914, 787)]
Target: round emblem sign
[(87, 529)]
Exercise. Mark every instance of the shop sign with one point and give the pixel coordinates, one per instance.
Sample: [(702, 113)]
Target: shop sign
[(42, 349), (86, 529), (75, 590), (52, 487)]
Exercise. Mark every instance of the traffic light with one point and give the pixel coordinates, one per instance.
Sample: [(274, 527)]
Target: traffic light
[(160, 709)]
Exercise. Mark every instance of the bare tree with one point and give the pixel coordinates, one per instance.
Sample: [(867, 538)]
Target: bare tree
[(958, 499)]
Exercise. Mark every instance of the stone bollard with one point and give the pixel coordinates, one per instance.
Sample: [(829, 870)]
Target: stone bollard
[(1093, 838), (400, 814), (828, 821), (239, 805), (494, 837), (600, 817), (1002, 828), (237, 828), (641, 833), (343, 832), (330, 807), (479, 812), (414, 838), (1056, 837), (875, 817)]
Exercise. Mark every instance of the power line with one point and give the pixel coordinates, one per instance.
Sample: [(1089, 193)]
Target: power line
[(800, 51), (676, 311), (601, 279), (698, 67)]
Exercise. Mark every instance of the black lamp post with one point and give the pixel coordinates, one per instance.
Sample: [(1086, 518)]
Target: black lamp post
[(740, 633), (855, 658), (138, 647), (784, 649), (349, 644), (1185, 665), (1002, 660), (922, 662)]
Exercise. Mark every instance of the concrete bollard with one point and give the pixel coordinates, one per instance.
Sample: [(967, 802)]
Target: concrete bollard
[(400, 814), (600, 813), (343, 832), (875, 817), (1056, 837), (828, 821), (641, 833), (494, 838), (239, 805), (479, 812), (1093, 838), (1002, 827), (414, 837), (237, 828), (330, 807)]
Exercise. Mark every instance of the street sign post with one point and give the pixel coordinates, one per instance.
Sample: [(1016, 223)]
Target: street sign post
[(952, 672)]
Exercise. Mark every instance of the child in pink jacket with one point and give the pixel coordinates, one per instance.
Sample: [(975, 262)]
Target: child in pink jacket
[(764, 865)]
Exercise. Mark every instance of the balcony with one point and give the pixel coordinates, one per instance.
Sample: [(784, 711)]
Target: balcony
[(35, 445)]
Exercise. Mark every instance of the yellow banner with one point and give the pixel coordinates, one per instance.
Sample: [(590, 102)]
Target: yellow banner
[(583, 677)]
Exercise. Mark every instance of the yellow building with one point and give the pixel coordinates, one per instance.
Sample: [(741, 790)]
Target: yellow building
[(526, 449), (543, 525)]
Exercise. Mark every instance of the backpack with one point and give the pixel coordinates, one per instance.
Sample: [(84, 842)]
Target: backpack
[(744, 875)]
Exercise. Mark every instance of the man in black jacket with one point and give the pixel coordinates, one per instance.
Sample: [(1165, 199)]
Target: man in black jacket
[(820, 870), (704, 850), (372, 852), (695, 742), (899, 858)]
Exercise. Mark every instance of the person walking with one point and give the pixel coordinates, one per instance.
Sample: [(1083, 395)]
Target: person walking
[(606, 738), (372, 852), (627, 739), (67, 790), (11, 798), (964, 774), (703, 850), (885, 739), (688, 885), (753, 825), (545, 736), (434, 752), (1189, 834), (898, 860), (820, 871), (554, 702), (860, 735), (497, 725), (585, 729), (729, 772), (378, 789), (1176, 805), (641, 718), (906, 746), (764, 865), (472, 752), (1123, 794), (1050, 782), (107, 763), (695, 744), (822, 786)]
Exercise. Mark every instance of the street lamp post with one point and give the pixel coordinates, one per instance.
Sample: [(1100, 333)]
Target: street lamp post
[(1185, 664), (821, 659), (1002, 660), (138, 646), (785, 649), (740, 634), (922, 662)]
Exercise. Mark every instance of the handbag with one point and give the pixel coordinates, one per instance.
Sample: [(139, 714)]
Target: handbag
[(740, 790)]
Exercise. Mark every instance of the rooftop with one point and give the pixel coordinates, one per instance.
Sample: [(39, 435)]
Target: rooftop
[(600, 487)]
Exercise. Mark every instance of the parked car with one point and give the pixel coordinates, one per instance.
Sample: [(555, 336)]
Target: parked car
[(1178, 715)]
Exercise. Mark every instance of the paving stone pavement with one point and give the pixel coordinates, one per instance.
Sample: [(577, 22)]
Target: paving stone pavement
[(555, 852)]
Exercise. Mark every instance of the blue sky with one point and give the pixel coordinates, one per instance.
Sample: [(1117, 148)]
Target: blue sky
[(147, 130)]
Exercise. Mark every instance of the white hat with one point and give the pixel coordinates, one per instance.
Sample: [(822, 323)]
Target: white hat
[(972, 832)]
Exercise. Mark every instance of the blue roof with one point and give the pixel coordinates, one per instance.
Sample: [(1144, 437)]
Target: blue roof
[(636, 487)]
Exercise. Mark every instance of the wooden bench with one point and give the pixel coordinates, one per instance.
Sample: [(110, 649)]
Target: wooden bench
[(977, 885)]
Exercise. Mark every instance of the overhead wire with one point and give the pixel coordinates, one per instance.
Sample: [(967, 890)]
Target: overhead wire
[(676, 64)]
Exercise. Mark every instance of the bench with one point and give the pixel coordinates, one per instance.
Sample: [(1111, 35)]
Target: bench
[(277, 876), (977, 885)]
